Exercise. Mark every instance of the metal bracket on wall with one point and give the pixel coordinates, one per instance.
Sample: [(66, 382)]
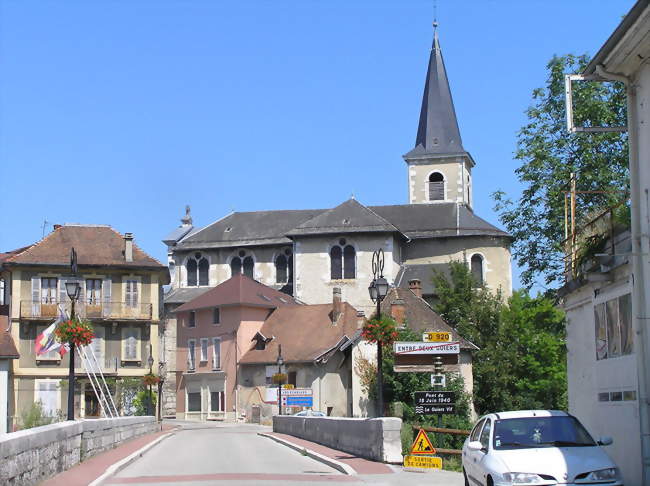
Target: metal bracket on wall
[(568, 80)]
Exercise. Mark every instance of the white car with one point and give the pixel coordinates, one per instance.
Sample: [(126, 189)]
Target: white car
[(535, 447), (309, 413)]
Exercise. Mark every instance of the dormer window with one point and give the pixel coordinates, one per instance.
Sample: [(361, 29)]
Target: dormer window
[(197, 270)]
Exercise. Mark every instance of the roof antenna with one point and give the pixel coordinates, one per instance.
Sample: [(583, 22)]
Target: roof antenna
[(45, 223)]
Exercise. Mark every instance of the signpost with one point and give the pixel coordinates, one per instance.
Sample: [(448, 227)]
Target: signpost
[(435, 402), (438, 380), (413, 348), (421, 452)]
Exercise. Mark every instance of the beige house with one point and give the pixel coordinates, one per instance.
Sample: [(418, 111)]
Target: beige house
[(308, 252), (120, 295)]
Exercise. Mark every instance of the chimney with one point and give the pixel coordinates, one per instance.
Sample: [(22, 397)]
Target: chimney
[(361, 319), (128, 247), (416, 287), (56, 227), (397, 311), (336, 304)]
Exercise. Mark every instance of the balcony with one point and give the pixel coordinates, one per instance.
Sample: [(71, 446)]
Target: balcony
[(121, 311)]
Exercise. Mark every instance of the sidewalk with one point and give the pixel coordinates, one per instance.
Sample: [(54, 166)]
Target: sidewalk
[(358, 464), (87, 471)]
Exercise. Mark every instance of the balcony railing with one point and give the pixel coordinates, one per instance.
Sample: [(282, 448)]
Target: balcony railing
[(100, 310)]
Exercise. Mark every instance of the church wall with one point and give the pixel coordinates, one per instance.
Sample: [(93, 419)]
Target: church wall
[(455, 171), (496, 256), (313, 283)]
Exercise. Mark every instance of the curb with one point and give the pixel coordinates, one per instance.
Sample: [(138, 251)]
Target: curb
[(339, 466), (118, 466)]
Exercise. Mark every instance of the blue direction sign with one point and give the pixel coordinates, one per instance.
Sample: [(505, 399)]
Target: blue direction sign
[(307, 401)]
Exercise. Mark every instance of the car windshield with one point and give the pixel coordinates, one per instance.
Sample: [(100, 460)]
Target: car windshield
[(528, 432)]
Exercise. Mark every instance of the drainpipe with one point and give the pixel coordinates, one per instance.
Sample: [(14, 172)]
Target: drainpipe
[(640, 305)]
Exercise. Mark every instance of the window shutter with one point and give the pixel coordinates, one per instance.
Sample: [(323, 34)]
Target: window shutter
[(97, 345), (106, 293), (135, 292), (63, 295), (36, 296)]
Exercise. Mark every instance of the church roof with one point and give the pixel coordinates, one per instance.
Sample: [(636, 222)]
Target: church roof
[(348, 217), (438, 132), (277, 227)]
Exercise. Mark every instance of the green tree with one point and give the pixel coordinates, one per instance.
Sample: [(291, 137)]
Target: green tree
[(549, 154), (521, 361)]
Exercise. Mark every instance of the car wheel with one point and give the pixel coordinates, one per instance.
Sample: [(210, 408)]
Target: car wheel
[(465, 477)]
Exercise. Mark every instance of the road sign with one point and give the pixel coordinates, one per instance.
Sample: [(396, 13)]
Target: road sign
[(423, 462), (436, 337), (435, 398), (412, 348), (438, 380), (298, 401), (422, 444), (272, 394), (435, 409)]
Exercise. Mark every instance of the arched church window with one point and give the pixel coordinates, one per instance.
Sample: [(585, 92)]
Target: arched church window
[(284, 267), (476, 265), (342, 261), (242, 263), (197, 268), (436, 187)]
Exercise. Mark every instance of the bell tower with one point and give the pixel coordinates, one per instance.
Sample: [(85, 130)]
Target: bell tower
[(439, 168)]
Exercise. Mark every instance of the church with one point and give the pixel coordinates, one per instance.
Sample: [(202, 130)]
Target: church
[(306, 253)]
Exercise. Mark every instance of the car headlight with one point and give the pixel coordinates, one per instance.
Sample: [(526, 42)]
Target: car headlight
[(523, 478), (609, 474)]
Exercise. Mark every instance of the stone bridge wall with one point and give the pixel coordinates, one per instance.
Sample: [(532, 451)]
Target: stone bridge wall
[(375, 439), (30, 456)]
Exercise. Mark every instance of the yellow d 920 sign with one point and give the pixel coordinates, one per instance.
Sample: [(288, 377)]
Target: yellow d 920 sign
[(436, 337), (423, 462)]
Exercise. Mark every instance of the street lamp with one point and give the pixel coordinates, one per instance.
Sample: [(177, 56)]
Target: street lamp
[(280, 362), (150, 361), (73, 290), (378, 289), (162, 369)]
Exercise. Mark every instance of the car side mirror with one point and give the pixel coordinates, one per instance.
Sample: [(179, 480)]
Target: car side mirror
[(475, 445), (605, 440)]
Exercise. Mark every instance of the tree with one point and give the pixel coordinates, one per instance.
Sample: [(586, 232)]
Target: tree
[(549, 154), (521, 361)]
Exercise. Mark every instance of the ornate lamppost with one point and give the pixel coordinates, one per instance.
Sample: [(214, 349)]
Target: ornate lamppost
[(280, 362), (378, 289), (162, 369), (73, 289)]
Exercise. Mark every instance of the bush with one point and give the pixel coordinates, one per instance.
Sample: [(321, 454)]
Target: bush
[(35, 416), (141, 401)]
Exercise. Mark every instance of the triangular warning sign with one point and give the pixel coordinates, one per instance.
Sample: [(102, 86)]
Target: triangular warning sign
[(422, 444)]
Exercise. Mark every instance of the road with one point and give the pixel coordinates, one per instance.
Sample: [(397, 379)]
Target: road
[(234, 455)]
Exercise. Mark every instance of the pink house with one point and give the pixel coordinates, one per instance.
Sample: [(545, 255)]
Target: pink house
[(213, 332)]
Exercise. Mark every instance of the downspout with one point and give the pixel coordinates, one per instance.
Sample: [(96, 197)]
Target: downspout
[(640, 305)]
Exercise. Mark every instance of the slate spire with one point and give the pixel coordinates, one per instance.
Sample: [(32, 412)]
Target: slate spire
[(438, 131)]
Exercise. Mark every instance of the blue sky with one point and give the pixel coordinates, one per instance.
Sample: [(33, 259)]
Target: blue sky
[(122, 112)]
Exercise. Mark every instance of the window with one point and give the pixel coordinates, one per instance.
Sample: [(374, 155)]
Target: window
[(216, 353), (281, 274), (191, 354), (198, 269), (130, 344), (614, 335), (204, 350), (193, 401), (216, 316), (217, 401), (474, 435), (242, 263), (48, 290), (293, 375), (476, 265), (94, 291), (47, 393), (260, 344), (131, 293), (436, 187), (272, 370), (191, 319), (485, 434), (342, 261)]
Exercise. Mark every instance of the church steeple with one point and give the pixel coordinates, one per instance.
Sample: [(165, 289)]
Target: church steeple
[(439, 167), (438, 131)]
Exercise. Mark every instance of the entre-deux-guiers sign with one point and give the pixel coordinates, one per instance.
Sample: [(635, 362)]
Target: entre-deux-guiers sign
[(436, 337), (409, 348)]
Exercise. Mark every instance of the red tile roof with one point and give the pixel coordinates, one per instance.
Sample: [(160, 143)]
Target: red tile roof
[(95, 246), (240, 290), (305, 332), (7, 346)]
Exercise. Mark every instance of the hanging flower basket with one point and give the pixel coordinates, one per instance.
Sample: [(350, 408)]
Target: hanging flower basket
[(383, 330), (150, 379), (75, 331), (279, 378)]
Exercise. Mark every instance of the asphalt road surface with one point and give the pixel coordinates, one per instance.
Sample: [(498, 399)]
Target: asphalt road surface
[(234, 455)]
